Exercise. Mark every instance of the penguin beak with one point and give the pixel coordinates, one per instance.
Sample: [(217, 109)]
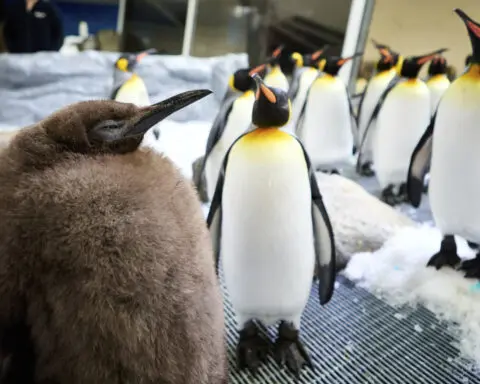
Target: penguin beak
[(142, 55), (342, 61), (263, 90), (276, 53), (157, 112), (256, 70), (473, 32), (420, 60), (317, 54)]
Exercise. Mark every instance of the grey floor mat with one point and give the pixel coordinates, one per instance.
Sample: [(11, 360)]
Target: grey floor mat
[(358, 338)]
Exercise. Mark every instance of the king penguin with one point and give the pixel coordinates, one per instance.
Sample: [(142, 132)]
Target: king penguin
[(326, 122), (451, 141), (233, 119), (385, 72), (306, 71), (402, 113), (275, 77), (437, 81), (129, 87), (270, 226)]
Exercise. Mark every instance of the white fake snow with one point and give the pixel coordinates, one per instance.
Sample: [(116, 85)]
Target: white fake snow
[(398, 273)]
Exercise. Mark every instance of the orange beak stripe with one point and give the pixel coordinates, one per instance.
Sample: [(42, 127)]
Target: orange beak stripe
[(424, 59), (256, 70), (317, 54), (268, 94), (277, 52), (474, 28), (141, 56)]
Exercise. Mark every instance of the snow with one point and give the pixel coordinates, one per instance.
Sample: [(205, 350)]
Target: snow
[(398, 274)]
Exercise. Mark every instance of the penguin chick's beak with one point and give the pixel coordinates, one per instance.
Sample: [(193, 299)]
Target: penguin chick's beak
[(157, 112), (420, 60), (263, 90), (142, 55), (473, 32)]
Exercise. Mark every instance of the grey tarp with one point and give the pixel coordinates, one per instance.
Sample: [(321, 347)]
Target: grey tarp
[(34, 85)]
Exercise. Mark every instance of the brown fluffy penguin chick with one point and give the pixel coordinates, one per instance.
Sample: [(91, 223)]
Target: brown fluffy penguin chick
[(104, 253)]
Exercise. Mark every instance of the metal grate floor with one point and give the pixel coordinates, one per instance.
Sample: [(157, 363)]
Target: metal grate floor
[(357, 338)]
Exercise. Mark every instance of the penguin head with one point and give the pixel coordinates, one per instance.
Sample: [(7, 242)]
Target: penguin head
[(333, 64), (297, 58), (387, 60), (129, 61), (473, 32), (271, 108), (314, 59), (411, 65), (96, 127), (438, 66), (242, 81), (275, 58)]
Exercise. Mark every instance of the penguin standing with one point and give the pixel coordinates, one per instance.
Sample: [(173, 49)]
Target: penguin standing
[(325, 124), (385, 72), (268, 222), (129, 87), (303, 78), (437, 81), (233, 119), (402, 114), (451, 141), (275, 77)]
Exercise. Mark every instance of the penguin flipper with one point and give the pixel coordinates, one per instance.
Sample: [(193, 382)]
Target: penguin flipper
[(354, 124), (324, 238), (420, 164), (360, 103), (374, 116)]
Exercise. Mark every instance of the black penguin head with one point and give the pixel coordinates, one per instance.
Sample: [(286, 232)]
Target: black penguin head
[(411, 65), (333, 64), (272, 106), (275, 58), (473, 32), (386, 60), (438, 66), (129, 61), (242, 80)]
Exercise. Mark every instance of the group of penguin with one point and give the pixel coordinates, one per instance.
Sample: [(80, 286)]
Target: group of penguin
[(271, 237)]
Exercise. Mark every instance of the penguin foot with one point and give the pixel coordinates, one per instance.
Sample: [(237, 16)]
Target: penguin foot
[(447, 256), (471, 268), (252, 348), (388, 196), (472, 245), (289, 350), (156, 133), (366, 170), (402, 196), (329, 171)]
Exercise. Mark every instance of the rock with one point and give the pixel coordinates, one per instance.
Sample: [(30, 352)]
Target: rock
[(361, 222), (199, 180)]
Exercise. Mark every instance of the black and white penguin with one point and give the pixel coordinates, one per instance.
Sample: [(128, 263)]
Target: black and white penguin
[(305, 73), (402, 113), (268, 221), (233, 119), (275, 76), (451, 141), (437, 81), (328, 105), (385, 72)]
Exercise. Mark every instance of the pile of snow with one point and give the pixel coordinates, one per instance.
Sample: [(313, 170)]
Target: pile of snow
[(398, 274)]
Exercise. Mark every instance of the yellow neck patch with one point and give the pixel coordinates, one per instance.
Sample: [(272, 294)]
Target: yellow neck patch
[(473, 73)]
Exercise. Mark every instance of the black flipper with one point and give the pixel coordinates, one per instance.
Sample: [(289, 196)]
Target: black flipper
[(420, 165), (354, 125), (324, 238), (304, 107), (360, 103), (374, 116), (214, 218), (218, 127)]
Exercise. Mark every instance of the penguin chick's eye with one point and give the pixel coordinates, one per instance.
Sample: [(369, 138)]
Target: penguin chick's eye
[(107, 131)]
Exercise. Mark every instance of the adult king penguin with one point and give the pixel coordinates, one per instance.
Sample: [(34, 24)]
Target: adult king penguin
[(275, 77), (269, 223), (451, 140), (385, 72), (437, 81), (129, 87), (326, 125), (402, 114), (306, 71), (233, 119)]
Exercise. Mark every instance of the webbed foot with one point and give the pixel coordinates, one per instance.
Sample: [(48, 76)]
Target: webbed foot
[(471, 267), (366, 170), (447, 256), (252, 348)]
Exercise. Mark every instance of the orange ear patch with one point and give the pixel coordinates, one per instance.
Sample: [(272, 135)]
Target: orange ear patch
[(268, 94), (474, 28)]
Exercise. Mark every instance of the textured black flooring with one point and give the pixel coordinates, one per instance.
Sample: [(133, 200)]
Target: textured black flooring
[(358, 338)]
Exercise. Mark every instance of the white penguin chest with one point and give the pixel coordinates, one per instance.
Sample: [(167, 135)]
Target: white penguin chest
[(401, 122), (455, 168), (326, 127), (267, 244), (437, 86), (133, 91)]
